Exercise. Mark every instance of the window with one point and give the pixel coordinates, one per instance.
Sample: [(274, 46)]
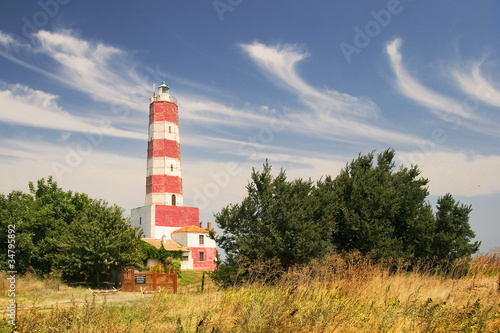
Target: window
[(169, 129), (202, 256), (185, 257), (140, 220), (172, 167), (173, 200), (202, 239)]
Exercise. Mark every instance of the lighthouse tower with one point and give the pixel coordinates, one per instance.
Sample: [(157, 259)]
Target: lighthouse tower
[(164, 219), (164, 179)]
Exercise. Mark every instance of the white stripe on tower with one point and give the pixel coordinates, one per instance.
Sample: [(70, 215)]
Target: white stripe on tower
[(164, 176)]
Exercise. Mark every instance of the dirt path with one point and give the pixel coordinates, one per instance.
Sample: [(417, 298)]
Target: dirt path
[(66, 300)]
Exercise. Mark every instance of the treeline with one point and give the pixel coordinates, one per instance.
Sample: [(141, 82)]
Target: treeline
[(66, 234), (370, 206)]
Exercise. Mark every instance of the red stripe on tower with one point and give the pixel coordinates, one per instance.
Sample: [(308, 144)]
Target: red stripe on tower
[(164, 148), (164, 176), (163, 184)]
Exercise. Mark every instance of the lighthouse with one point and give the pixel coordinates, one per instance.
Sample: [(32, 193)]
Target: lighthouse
[(164, 219), (164, 178)]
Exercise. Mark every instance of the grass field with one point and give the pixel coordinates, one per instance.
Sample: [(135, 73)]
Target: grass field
[(340, 294)]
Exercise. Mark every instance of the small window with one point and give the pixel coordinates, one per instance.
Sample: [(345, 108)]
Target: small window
[(169, 129), (202, 239), (140, 220), (172, 167), (185, 257), (173, 200), (202, 256)]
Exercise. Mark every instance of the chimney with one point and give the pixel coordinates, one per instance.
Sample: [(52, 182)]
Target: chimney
[(209, 226), (163, 239)]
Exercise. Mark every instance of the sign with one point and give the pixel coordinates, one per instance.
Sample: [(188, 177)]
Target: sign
[(140, 279)]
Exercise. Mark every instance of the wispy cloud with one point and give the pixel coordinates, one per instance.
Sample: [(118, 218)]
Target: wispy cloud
[(411, 88), (200, 109), (475, 84), (103, 72), (280, 64), (100, 174), (330, 113), (24, 106), (449, 109)]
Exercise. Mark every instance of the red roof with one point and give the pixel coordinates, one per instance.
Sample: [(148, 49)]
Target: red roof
[(191, 228)]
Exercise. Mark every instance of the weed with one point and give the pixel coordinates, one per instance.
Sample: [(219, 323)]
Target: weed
[(341, 293)]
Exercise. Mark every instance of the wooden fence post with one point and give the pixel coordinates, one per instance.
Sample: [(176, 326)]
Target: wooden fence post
[(175, 281), (133, 279)]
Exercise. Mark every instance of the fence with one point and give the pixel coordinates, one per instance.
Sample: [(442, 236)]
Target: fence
[(149, 281)]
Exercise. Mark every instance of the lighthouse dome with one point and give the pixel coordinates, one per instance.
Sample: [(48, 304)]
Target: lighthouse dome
[(163, 88)]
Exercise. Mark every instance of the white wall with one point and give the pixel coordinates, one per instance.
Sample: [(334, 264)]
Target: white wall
[(181, 238), (167, 231), (191, 239), (187, 264), (141, 217)]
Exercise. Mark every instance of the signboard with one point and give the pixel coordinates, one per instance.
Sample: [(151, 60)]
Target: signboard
[(140, 279)]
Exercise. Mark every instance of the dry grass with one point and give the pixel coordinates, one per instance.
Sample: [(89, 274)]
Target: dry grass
[(340, 294), (30, 283)]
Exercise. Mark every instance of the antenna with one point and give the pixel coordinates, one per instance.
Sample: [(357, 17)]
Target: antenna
[(154, 89)]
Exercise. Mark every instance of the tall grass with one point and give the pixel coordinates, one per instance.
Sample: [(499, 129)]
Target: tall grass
[(30, 283), (342, 293)]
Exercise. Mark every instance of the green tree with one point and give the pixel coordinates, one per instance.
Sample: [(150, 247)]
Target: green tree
[(278, 219), (52, 210), (370, 206), (41, 217), (379, 211), (386, 213), (15, 213), (453, 235), (98, 241), (59, 230)]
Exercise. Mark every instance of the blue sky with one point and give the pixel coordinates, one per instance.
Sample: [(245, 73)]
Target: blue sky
[(308, 85)]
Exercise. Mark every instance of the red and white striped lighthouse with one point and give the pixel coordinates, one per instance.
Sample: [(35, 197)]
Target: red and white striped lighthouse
[(164, 219), (164, 176)]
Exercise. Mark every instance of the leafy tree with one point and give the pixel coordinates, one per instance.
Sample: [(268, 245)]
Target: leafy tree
[(98, 241), (453, 234), (370, 207), (41, 217), (386, 213), (55, 228), (15, 212), (52, 210), (278, 219), (380, 211)]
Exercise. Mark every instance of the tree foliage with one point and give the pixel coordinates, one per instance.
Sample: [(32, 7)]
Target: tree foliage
[(58, 230), (370, 207), (453, 235), (278, 219), (380, 211)]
